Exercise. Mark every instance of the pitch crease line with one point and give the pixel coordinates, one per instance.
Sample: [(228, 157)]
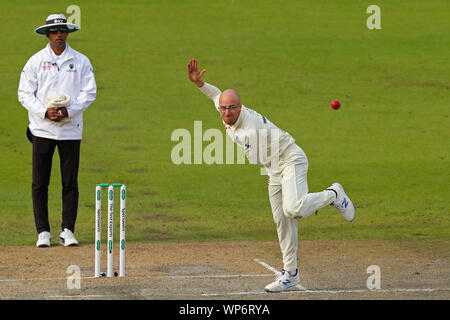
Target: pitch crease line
[(144, 277), (327, 291)]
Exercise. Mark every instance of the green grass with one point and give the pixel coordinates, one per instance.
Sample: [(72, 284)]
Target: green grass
[(388, 144)]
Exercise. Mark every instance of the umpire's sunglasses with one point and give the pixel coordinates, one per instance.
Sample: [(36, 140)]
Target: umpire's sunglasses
[(61, 29)]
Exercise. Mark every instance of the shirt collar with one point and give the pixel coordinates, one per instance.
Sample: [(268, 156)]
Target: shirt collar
[(66, 55)]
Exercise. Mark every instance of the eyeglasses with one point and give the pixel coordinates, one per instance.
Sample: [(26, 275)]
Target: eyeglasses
[(223, 108), (55, 30)]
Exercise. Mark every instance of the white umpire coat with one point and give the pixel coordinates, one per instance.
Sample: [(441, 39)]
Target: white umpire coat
[(46, 75), (264, 143)]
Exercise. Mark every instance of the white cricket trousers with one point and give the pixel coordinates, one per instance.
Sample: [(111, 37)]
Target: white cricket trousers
[(290, 200)]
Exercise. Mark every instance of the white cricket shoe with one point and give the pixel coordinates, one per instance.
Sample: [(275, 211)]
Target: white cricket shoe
[(43, 239), (283, 281), (343, 202), (67, 239)]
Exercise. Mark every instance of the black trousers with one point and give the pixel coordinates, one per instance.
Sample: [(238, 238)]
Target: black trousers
[(69, 154)]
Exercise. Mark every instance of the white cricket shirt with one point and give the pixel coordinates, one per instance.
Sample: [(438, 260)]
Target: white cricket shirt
[(262, 140), (45, 75)]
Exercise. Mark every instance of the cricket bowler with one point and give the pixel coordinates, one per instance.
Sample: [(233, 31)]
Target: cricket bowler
[(287, 168)]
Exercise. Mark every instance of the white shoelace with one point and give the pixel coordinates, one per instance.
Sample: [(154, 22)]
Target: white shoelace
[(44, 236), (339, 206), (69, 234), (278, 275)]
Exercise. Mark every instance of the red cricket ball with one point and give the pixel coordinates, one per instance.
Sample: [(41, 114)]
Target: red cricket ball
[(335, 104)]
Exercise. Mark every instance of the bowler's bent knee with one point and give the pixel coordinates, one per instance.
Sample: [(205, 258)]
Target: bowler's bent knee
[(293, 209)]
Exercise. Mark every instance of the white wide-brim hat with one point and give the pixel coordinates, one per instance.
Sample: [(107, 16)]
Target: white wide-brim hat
[(54, 20)]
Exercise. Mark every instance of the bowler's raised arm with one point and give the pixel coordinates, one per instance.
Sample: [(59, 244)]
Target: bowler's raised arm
[(207, 89), (194, 75)]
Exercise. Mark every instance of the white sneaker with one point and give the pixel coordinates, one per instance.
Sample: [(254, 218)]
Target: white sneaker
[(43, 239), (67, 239), (343, 202), (283, 281)]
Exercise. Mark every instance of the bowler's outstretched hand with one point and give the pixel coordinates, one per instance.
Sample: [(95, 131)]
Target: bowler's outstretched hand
[(194, 75)]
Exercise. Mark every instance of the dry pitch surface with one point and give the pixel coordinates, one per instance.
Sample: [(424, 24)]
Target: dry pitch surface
[(330, 269)]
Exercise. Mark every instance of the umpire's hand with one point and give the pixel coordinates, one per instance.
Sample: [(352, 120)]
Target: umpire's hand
[(56, 114)]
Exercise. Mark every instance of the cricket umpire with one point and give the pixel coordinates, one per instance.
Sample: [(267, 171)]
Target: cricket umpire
[(287, 168), (56, 85)]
